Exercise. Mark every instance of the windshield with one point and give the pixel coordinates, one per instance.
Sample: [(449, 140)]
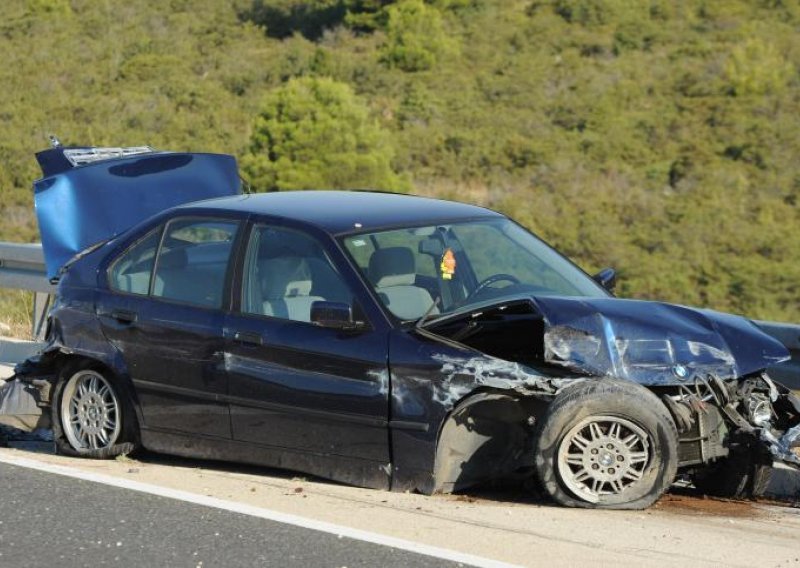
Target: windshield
[(459, 264)]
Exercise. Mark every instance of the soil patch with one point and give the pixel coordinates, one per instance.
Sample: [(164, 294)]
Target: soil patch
[(704, 505)]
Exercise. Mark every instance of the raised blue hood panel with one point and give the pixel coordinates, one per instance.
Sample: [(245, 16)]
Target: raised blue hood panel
[(88, 204)]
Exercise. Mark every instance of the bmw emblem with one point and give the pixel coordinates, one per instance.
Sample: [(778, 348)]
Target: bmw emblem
[(680, 371)]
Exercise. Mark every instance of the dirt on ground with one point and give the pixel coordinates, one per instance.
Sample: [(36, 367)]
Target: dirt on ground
[(685, 504)]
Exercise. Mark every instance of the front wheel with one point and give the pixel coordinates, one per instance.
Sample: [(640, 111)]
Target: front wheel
[(606, 443), (91, 417)]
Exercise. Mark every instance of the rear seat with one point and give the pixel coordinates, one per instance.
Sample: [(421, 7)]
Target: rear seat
[(196, 283)]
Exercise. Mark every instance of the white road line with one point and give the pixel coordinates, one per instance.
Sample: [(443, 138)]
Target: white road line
[(260, 512)]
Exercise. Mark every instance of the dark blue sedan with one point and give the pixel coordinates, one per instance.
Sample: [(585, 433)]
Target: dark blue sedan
[(397, 342)]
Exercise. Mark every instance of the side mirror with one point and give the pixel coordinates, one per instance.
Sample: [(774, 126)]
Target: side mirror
[(334, 315), (607, 278)]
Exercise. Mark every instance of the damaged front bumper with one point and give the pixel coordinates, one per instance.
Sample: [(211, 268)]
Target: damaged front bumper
[(707, 367)]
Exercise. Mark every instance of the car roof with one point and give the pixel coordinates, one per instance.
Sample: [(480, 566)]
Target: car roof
[(348, 211)]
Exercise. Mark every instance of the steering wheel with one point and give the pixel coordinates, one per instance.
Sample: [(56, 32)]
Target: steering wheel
[(486, 282)]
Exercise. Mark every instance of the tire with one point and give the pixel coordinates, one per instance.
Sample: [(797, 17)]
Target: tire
[(606, 444), (740, 476), (91, 416)]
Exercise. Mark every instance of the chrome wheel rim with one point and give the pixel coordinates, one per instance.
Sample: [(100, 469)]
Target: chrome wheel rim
[(603, 456), (90, 412)]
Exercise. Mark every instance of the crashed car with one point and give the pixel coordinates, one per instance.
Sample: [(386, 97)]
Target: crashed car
[(385, 341)]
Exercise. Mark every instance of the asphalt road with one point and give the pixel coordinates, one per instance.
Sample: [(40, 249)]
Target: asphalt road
[(48, 519)]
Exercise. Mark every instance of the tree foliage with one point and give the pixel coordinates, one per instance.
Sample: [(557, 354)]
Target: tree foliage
[(659, 137), (415, 37), (314, 133)]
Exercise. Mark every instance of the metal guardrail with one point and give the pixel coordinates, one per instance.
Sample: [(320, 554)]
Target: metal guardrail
[(22, 267)]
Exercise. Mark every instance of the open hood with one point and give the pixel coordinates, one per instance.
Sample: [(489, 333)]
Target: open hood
[(89, 195), (647, 342)]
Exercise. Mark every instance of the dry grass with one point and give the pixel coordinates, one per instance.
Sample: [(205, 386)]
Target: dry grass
[(16, 311)]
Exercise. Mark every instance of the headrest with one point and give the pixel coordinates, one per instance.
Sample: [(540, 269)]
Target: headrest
[(393, 266), (280, 243), (173, 259), (284, 277)]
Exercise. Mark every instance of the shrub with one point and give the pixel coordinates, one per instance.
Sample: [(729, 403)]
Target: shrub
[(415, 37), (755, 68), (314, 133)]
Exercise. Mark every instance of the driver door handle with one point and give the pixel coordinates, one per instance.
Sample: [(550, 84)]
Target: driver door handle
[(248, 338), (124, 316)]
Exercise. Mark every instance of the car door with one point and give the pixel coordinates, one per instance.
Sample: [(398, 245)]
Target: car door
[(295, 385), (163, 310)]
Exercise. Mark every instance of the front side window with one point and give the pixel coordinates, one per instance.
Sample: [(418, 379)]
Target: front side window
[(285, 272), (193, 261), (442, 268), (131, 272)]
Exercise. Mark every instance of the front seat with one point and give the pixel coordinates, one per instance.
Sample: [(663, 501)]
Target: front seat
[(393, 272), (286, 288)]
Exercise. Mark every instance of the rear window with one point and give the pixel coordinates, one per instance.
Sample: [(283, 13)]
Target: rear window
[(190, 258), (193, 261), (131, 272)]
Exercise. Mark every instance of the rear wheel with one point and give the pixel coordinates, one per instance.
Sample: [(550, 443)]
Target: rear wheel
[(606, 443), (91, 417)]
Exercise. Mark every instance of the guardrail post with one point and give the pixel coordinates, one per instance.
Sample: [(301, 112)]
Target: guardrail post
[(41, 305)]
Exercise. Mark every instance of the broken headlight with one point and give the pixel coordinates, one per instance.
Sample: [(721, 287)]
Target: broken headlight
[(759, 410), (569, 344)]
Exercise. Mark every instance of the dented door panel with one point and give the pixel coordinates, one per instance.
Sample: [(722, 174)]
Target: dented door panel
[(294, 385), (174, 356)]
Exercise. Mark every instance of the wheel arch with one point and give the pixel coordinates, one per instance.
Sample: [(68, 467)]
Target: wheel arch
[(67, 363), (126, 439), (487, 435)]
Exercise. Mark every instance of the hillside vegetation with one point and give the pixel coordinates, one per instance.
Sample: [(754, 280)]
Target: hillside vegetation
[(660, 137)]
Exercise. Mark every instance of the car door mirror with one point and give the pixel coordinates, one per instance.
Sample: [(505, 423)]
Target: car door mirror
[(334, 315), (607, 278)]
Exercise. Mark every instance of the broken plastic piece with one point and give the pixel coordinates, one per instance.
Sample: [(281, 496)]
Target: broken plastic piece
[(782, 448), (19, 407)]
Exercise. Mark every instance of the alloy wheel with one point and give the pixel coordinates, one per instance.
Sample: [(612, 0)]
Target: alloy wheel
[(90, 412), (603, 456)]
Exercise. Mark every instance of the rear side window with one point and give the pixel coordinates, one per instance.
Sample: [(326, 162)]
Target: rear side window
[(193, 261), (131, 271)]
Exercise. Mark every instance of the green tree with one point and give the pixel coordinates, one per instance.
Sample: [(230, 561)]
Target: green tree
[(314, 133), (656, 136), (415, 37), (366, 15)]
